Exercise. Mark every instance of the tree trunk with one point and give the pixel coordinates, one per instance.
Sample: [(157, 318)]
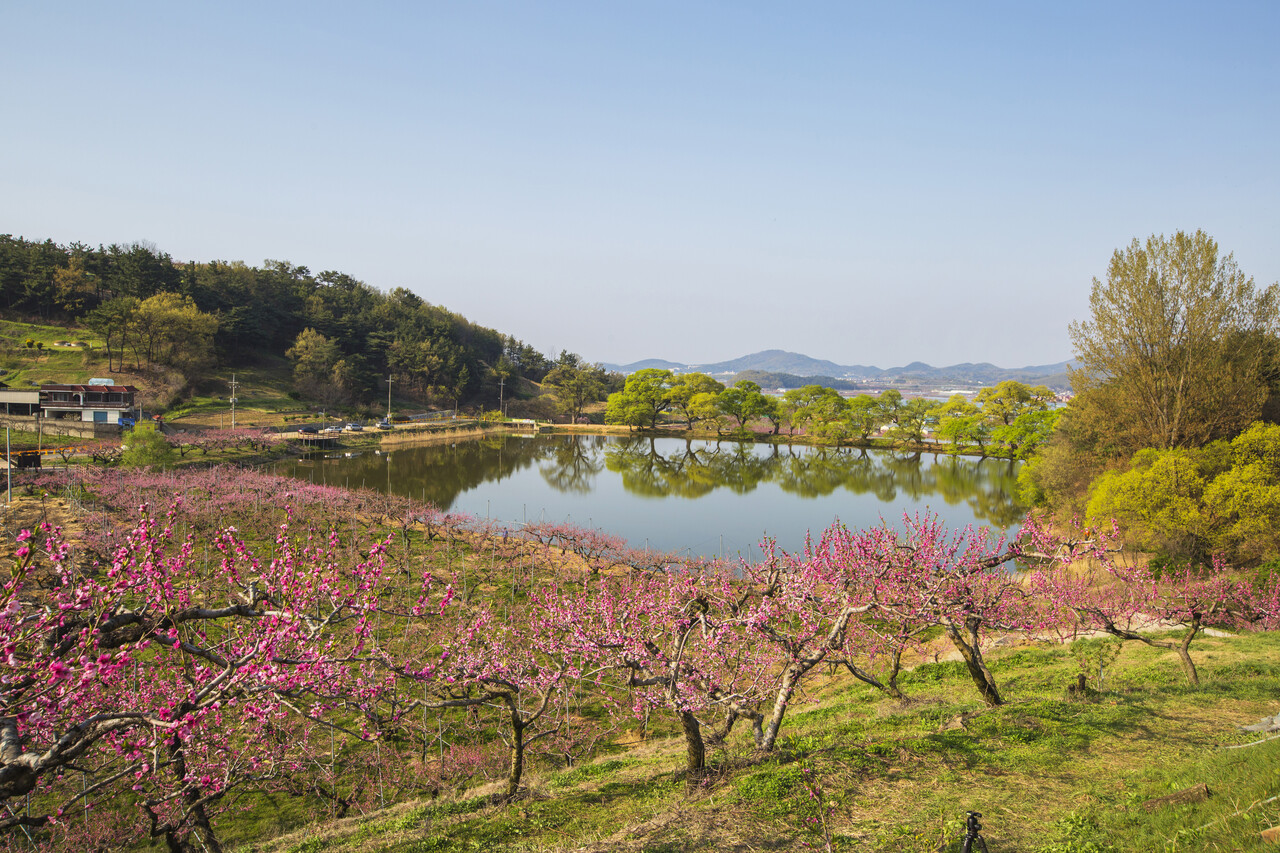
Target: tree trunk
[(15, 779), (199, 817), (895, 669), (1183, 648), (1184, 652), (788, 687), (517, 756), (889, 688), (695, 750), (972, 654), (730, 717)]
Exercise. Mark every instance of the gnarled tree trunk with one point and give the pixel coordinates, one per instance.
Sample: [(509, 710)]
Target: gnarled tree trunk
[(695, 750), (971, 651)]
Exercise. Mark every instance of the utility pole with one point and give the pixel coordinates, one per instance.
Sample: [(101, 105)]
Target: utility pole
[(234, 386), (502, 382), (388, 399)]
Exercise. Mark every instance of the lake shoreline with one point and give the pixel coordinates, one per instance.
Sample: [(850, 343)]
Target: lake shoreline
[(476, 430)]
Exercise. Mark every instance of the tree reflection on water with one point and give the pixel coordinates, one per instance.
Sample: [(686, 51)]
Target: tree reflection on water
[(697, 468), (685, 468)]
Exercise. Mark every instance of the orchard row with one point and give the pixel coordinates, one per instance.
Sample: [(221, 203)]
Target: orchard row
[(256, 634)]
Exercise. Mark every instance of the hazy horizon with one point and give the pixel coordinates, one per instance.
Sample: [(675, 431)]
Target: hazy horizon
[(820, 358)]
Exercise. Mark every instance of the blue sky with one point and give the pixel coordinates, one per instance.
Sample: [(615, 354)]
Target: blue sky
[(863, 182)]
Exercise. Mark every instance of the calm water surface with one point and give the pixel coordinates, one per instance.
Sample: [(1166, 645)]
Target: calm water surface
[(700, 497)]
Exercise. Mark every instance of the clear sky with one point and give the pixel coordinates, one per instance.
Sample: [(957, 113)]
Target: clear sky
[(865, 182)]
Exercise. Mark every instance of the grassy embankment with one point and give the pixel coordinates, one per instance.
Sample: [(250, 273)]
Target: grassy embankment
[(1048, 774), (66, 354)]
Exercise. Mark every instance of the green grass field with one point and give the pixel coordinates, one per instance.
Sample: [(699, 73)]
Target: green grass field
[(1049, 774), (58, 361)]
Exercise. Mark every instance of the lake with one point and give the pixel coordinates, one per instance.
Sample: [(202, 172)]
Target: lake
[(700, 497)]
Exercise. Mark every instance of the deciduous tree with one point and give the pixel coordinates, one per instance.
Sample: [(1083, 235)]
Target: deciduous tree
[(1002, 404), (688, 387), (1180, 338), (642, 400), (1133, 602), (1027, 432), (913, 419), (113, 321), (961, 423), (146, 447), (744, 402), (162, 685), (1244, 500), (169, 329), (801, 404), (575, 385), (927, 575)]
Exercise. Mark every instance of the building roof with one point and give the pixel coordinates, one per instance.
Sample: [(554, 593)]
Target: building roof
[(23, 396), (95, 389)]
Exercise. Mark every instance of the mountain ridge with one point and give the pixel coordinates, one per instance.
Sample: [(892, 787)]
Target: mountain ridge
[(801, 365)]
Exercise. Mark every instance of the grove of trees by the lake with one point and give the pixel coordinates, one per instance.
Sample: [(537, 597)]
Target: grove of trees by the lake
[(1009, 419)]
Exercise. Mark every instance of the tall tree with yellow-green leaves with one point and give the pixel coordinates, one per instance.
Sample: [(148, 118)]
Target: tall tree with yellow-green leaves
[(1178, 345)]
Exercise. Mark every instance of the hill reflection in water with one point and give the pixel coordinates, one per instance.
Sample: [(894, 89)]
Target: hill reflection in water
[(683, 495)]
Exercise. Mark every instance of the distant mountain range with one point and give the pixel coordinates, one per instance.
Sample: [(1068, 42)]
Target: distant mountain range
[(781, 364)]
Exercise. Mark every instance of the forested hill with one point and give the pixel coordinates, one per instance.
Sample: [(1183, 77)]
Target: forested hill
[(358, 334)]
